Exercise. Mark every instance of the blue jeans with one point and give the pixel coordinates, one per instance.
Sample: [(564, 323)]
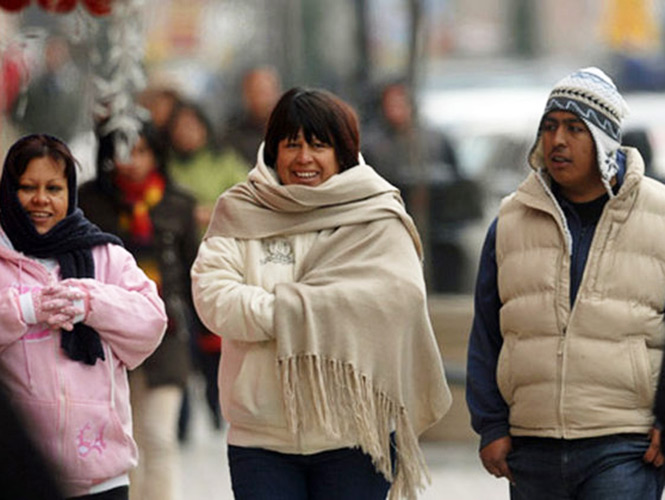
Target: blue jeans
[(603, 468), (259, 474)]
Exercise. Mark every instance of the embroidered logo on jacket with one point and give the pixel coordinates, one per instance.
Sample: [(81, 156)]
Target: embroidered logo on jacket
[(87, 441), (278, 251)]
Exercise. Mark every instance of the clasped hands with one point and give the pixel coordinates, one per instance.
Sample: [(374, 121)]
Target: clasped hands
[(61, 305)]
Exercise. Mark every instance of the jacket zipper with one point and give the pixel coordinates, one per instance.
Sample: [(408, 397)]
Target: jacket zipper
[(561, 365)]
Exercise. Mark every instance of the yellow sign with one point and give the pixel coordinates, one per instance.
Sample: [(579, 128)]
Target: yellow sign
[(631, 25)]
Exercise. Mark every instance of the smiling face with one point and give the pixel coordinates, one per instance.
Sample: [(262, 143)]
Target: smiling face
[(570, 156), (299, 162), (43, 192)]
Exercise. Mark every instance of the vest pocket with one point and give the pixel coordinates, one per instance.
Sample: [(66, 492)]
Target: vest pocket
[(639, 358), (503, 372)]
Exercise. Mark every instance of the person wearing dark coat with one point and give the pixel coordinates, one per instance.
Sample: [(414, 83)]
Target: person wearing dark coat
[(135, 199)]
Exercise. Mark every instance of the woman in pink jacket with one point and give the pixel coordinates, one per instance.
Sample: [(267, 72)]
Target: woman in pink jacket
[(76, 313)]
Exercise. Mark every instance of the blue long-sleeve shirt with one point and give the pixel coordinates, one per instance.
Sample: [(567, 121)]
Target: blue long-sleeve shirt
[(489, 411)]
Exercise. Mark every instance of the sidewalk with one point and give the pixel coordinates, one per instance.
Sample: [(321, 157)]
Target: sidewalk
[(454, 466)]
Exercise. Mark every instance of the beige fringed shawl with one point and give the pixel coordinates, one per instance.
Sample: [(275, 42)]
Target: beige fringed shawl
[(356, 351)]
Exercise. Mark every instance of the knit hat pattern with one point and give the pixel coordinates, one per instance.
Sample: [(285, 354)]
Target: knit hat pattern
[(592, 96)]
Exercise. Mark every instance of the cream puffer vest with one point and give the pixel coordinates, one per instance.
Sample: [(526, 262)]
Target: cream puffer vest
[(590, 370)]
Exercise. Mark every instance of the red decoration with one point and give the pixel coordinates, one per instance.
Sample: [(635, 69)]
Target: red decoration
[(12, 73), (95, 7), (14, 5), (98, 7), (59, 6)]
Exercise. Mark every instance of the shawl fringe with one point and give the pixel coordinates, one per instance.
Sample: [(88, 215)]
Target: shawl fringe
[(334, 396)]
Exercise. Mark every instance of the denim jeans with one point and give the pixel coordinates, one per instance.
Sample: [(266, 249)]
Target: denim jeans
[(259, 474), (603, 468)]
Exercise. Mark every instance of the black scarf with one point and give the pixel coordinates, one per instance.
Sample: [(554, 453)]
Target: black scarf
[(70, 242)]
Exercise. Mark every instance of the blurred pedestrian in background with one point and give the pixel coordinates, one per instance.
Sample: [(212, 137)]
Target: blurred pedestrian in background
[(261, 87), (196, 162), (160, 101), (389, 141), (311, 272), (198, 165), (77, 314), (422, 163), (568, 333), (135, 199), (53, 98)]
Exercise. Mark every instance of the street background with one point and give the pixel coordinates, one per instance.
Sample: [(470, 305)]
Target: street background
[(478, 72)]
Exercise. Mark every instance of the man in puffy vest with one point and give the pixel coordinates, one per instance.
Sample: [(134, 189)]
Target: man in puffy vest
[(566, 344)]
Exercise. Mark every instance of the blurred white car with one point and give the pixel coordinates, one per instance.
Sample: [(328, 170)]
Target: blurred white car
[(492, 130), (644, 128)]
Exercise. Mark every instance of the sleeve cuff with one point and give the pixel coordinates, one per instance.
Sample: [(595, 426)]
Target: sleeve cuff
[(79, 304), (265, 312), (27, 307), (494, 433)]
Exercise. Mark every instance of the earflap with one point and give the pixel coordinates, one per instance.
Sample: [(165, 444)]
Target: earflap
[(606, 155)]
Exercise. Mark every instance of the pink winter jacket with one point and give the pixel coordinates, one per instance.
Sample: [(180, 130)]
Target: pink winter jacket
[(77, 413)]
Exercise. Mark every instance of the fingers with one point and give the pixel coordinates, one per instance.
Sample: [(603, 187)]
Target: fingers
[(67, 325), (493, 469), (78, 293), (61, 304), (61, 324), (64, 318), (54, 304), (499, 469), (62, 292), (654, 455), (493, 456), (508, 474)]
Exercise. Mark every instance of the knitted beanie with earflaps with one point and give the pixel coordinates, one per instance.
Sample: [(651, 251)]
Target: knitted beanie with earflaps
[(591, 95)]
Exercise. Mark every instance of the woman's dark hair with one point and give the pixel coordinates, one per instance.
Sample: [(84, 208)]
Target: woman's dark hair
[(321, 115), (35, 146), (189, 106), (106, 152)]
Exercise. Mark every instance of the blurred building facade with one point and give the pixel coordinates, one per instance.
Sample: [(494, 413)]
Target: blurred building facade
[(344, 44), (204, 45)]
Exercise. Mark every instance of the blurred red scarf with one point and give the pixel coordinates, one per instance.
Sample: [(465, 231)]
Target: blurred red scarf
[(141, 197)]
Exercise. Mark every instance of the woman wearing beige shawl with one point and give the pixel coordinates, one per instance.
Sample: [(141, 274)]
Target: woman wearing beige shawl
[(311, 272)]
